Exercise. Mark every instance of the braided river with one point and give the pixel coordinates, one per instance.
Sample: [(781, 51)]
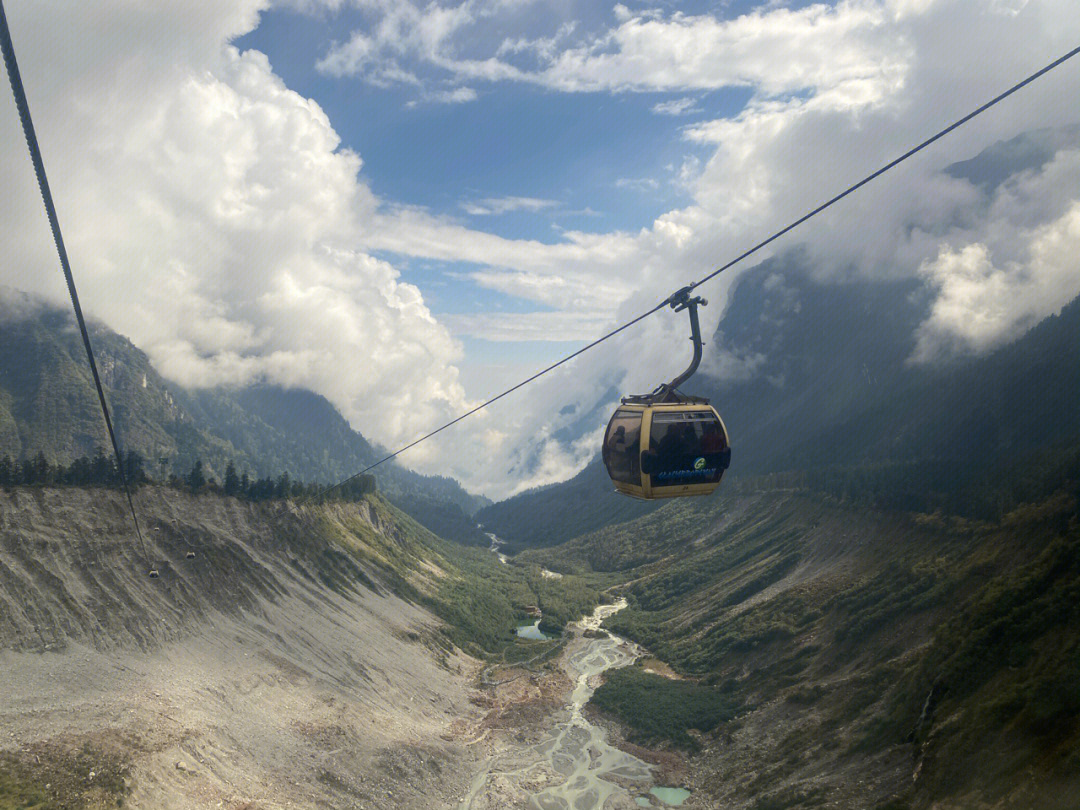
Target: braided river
[(572, 766)]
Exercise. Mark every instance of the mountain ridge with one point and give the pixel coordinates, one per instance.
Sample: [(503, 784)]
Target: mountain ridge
[(48, 405)]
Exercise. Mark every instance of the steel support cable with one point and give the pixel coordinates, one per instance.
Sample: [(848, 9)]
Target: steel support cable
[(764, 243), (15, 79)]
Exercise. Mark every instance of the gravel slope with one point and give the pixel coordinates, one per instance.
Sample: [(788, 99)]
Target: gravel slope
[(272, 670)]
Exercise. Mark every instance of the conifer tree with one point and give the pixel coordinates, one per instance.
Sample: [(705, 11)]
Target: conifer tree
[(232, 482), (283, 486), (42, 468), (196, 479), (101, 469), (133, 468)]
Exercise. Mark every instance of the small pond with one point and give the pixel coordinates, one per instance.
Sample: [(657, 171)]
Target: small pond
[(673, 796), (532, 631)]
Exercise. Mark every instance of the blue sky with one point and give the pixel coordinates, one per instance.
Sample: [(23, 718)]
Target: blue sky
[(589, 161), (604, 161), (585, 161)]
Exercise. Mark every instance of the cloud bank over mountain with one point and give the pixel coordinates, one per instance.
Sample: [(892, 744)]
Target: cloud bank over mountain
[(215, 217)]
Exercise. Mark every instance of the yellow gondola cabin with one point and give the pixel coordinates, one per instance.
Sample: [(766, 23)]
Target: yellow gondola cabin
[(667, 444)]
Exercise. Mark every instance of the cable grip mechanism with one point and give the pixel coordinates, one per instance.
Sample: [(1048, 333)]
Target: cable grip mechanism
[(679, 301)]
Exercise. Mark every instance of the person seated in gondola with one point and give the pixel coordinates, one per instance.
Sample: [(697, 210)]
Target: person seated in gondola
[(673, 448), (615, 446), (620, 453), (712, 441), (617, 442)]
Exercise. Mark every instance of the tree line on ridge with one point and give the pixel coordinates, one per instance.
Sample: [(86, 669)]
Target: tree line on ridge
[(102, 471)]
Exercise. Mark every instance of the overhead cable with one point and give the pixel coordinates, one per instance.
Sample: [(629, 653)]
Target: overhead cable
[(50, 209), (765, 242)]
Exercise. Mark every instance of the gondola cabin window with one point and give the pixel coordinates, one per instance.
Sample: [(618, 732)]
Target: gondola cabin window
[(622, 447), (685, 447)]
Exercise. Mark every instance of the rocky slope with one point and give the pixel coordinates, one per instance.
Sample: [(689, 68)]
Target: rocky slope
[(274, 668)]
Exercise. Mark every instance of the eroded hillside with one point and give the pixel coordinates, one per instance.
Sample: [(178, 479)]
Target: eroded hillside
[(276, 666)]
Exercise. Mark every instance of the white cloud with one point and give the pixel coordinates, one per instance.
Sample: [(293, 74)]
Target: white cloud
[(403, 33), (983, 303), (512, 327), (774, 50), (849, 48), (459, 95), (677, 106), (493, 206), (638, 183)]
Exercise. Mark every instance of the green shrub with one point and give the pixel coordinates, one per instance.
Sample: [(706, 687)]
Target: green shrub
[(660, 709)]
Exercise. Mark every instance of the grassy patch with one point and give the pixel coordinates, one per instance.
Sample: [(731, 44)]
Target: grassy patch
[(52, 776), (659, 709), (480, 599)]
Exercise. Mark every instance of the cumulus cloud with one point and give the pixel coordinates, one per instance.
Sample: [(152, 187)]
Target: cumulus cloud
[(211, 216)]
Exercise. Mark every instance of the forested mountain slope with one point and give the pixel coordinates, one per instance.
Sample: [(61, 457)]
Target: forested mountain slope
[(807, 351), (835, 655), (550, 515), (48, 405), (1016, 400)]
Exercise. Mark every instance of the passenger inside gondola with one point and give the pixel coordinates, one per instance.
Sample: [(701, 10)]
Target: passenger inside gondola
[(622, 448), (686, 449), (673, 446), (713, 440)]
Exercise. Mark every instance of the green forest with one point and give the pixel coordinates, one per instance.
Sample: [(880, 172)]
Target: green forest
[(102, 471)]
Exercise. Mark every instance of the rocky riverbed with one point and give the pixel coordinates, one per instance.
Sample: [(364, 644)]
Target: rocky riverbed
[(558, 759)]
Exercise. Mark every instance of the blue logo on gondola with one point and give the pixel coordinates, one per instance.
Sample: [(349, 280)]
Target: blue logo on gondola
[(699, 464)]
